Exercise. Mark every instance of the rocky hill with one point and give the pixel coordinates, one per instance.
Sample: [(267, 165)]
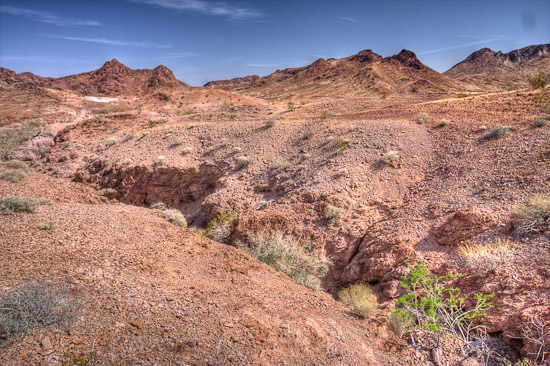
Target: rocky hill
[(497, 70), (113, 78), (357, 75)]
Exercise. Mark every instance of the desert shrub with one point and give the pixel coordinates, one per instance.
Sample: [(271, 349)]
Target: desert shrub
[(11, 204), (14, 175), (35, 304), (152, 123), (422, 117), (80, 359), (110, 142), (43, 149), (16, 164), (339, 146), (307, 134), (236, 150), (11, 139), (46, 225), (333, 212), (496, 133), (128, 137), (360, 298), (539, 80), (531, 216), (219, 228), (462, 95), (285, 256), (384, 95), (224, 141), (103, 199), (484, 257), (175, 217), (389, 157), (177, 142), (263, 204), (539, 122), (323, 116), (342, 172), (399, 322), (280, 163), (269, 123), (436, 308), (243, 162), (187, 150), (158, 206), (44, 201), (160, 161), (291, 107), (444, 122)]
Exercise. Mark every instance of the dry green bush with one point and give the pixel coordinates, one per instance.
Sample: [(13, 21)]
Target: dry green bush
[(111, 141), (360, 298), (32, 305), (539, 122), (484, 257), (219, 228), (12, 138), (269, 123), (531, 216), (333, 212), (399, 323), (158, 206), (46, 225), (11, 204), (444, 122), (243, 162), (422, 117), (14, 175), (280, 163), (496, 133), (175, 217), (16, 164), (285, 256)]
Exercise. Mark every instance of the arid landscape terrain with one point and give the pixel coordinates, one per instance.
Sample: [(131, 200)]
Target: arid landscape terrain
[(152, 214)]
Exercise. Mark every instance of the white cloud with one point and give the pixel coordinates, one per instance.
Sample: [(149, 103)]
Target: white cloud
[(349, 19), (112, 42), (208, 8), (45, 17), (483, 41)]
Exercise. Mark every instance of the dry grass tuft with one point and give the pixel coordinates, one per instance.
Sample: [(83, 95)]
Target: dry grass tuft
[(14, 175), (531, 216), (484, 257), (175, 217), (360, 298)]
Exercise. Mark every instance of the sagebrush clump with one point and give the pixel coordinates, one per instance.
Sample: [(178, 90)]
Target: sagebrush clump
[(13, 175), (243, 162), (484, 257), (284, 255), (32, 305), (175, 217), (497, 133), (532, 216), (219, 228), (11, 204), (539, 122), (333, 212), (360, 298), (422, 117)]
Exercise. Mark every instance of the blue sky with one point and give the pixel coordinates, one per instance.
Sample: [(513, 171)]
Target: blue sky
[(203, 40)]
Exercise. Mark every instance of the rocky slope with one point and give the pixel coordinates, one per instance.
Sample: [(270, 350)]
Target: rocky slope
[(360, 74), (492, 70)]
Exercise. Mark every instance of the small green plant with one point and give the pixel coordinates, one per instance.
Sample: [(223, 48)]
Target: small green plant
[(46, 225), (399, 322), (333, 212), (232, 116), (11, 204), (539, 122), (219, 228), (34, 304), (462, 95), (437, 308), (291, 107), (285, 256), (422, 117), (280, 163), (539, 80), (531, 216), (41, 150), (175, 217), (323, 116), (243, 162), (152, 123), (14, 175), (444, 122), (84, 359), (339, 146), (15, 164), (360, 298), (384, 95), (389, 158), (496, 133)]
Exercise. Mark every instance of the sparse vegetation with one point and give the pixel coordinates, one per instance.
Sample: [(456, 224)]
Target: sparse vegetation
[(158, 206), (187, 150), (128, 137), (443, 122), (291, 107), (384, 95), (15, 164), (422, 117), (307, 134), (243, 162), (177, 142), (12, 138), (323, 116), (160, 161), (236, 150), (539, 80), (389, 158), (339, 146), (111, 141), (342, 172), (219, 228), (531, 216), (484, 257), (32, 305), (11, 204), (46, 225), (333, 212), (399, 322), (285, 256), (539, 122), (152, 123), (280, 163), (496, 133), (462, 95), (14, 175), (436, 308), (360, 298), (175, 217), (269, 123)]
